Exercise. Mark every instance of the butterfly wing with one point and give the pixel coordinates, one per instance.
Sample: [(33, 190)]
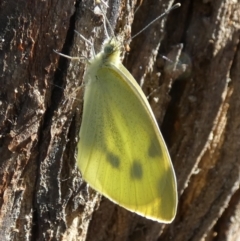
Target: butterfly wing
[(121, 152)]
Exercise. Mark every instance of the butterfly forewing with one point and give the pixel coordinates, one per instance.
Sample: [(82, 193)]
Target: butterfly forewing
[(121, 152)]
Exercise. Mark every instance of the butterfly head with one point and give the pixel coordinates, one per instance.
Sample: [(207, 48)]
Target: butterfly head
[(111, 50)]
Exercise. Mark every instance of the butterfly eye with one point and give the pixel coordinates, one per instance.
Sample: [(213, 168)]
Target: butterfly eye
[(108, 49)]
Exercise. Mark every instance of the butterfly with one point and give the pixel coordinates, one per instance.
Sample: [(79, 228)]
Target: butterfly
[(121, 151)]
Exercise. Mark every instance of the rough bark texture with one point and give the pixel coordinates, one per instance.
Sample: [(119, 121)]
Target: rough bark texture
[(42, 195)]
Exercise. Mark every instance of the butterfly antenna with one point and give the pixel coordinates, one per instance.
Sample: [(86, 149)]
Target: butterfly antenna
[(67, 56), (87, 41), (177, 5), (106, 20)]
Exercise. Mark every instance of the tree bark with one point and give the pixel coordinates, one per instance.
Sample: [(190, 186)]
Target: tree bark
[(194, 93)]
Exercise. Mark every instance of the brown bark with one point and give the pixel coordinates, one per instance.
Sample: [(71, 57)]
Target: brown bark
[(42, 195)]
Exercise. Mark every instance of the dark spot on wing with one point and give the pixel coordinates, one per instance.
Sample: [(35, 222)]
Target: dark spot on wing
[(136, 171), (165, 183), (154, 149), (113, 160)]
